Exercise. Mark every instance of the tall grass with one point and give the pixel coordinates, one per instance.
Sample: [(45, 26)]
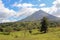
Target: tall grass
[(53, 34)]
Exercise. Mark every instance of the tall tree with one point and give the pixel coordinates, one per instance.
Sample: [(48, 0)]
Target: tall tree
[(44, 25)]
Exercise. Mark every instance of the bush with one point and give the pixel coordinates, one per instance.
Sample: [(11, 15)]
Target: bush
[(16, 28), (30, 31), (6, 33)]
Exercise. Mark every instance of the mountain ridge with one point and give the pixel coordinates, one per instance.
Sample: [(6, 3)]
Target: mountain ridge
[(38, 15)]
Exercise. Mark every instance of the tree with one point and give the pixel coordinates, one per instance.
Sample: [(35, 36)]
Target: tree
[(44, 25), (7, 30)]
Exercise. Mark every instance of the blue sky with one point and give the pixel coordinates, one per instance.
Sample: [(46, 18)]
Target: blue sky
[(9, 3), (14, 10)]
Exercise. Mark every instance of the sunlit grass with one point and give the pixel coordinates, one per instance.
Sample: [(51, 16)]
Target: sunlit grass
[(53, 34)]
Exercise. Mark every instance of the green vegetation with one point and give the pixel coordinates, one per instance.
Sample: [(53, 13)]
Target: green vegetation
[(53, 34), (44, 25), (30, 30)]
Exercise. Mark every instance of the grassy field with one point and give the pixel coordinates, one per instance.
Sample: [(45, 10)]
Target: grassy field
[(53, 34)]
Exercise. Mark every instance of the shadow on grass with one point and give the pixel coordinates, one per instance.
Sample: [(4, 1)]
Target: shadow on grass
[(37, 33), (1, 33)]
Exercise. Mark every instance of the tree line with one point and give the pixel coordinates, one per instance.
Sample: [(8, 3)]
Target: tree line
[(42, 25)]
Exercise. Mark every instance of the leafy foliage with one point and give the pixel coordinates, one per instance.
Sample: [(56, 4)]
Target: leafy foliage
[(44, 25), (28, 25)]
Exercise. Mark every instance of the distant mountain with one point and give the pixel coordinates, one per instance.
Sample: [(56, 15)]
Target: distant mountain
[(38, 15)]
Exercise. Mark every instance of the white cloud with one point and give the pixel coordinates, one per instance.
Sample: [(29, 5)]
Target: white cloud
[(55, 9), (46, 9), (5, 13), (39, 0), (6, 20), (27, 5), (41, 5), (22, 5), (26, 11)]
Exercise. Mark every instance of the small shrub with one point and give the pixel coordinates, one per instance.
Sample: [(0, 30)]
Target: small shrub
[(16, 29), (30, 31), (6, 33)]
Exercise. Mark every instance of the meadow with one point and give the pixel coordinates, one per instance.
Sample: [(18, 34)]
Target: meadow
[(52, 34)]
